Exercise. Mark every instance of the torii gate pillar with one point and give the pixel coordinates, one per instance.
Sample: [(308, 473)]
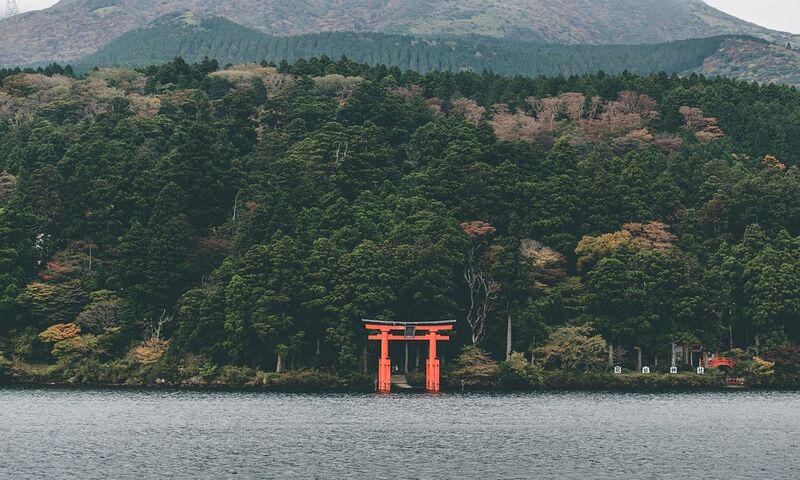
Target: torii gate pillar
[(384, 364), (432, 365), (409, 329)]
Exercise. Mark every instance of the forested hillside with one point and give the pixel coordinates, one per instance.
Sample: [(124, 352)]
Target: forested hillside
[(193, 39), (199, 225), (74, 28)]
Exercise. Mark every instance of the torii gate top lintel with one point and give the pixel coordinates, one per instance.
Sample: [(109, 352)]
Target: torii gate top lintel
[(378, 324)]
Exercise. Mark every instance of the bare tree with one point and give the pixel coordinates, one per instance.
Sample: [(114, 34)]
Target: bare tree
[(341, 156), (482, 288), (546, 109), (573, 105), (155, 327), (236, 204)]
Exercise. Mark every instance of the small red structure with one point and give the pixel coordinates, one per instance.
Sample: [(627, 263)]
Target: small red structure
[(409, 332), (718, 361), (734, 382)]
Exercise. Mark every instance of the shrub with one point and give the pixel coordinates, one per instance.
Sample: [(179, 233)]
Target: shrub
[(4, 364), (236, 376), (208, 371), (787, 366), (196, 369), (564, 379), (79, 346), (573, 348), (516, 372), (150, 351), (314, 380), (92, 371), (756, 371), (29, 346), (476, 367)]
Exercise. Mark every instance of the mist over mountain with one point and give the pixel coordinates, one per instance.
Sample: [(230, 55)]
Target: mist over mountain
[(75, 28)]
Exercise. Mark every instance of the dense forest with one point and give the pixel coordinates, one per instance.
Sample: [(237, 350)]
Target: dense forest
[(227, 42), (190, 222)]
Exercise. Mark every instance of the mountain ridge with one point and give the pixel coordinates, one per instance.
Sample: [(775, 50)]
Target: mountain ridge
[(75, 28)]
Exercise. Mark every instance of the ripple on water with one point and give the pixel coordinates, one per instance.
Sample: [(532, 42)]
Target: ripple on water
[(90, 434)]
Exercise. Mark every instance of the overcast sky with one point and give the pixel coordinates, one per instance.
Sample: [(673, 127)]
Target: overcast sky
[(777, 14), (781, 15)]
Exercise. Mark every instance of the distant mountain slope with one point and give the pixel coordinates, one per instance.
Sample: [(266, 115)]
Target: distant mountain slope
[(191, 38), (74, 28), (755, 61)]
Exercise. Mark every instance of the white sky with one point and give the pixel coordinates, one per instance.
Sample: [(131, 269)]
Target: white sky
[(776, 14), (25, 5), (781, 15)]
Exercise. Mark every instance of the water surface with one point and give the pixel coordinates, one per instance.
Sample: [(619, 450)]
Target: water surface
[(88, 434)]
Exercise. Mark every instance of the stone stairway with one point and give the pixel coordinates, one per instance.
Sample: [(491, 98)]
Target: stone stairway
[(400, 381)]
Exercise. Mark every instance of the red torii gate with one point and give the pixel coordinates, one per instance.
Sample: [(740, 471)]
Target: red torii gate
[(409, 329)]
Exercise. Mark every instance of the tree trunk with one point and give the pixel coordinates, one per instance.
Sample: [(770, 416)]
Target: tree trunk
[(405, 360), (610, 355), (279, 366), (672, 355), (638, 359), (364, 361), (508, 337), (730, 334)]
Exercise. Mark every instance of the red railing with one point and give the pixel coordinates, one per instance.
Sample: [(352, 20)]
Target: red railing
[(717, 362), (734, 382)]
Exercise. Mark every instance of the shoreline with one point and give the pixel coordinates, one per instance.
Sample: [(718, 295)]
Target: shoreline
[(361, 390)]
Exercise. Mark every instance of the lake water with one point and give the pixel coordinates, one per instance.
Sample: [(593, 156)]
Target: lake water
[(88, 434)]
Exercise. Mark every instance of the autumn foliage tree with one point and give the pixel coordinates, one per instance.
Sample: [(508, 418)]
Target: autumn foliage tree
[(60, 331), (704, 128), (468, 109), (515, 127)]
